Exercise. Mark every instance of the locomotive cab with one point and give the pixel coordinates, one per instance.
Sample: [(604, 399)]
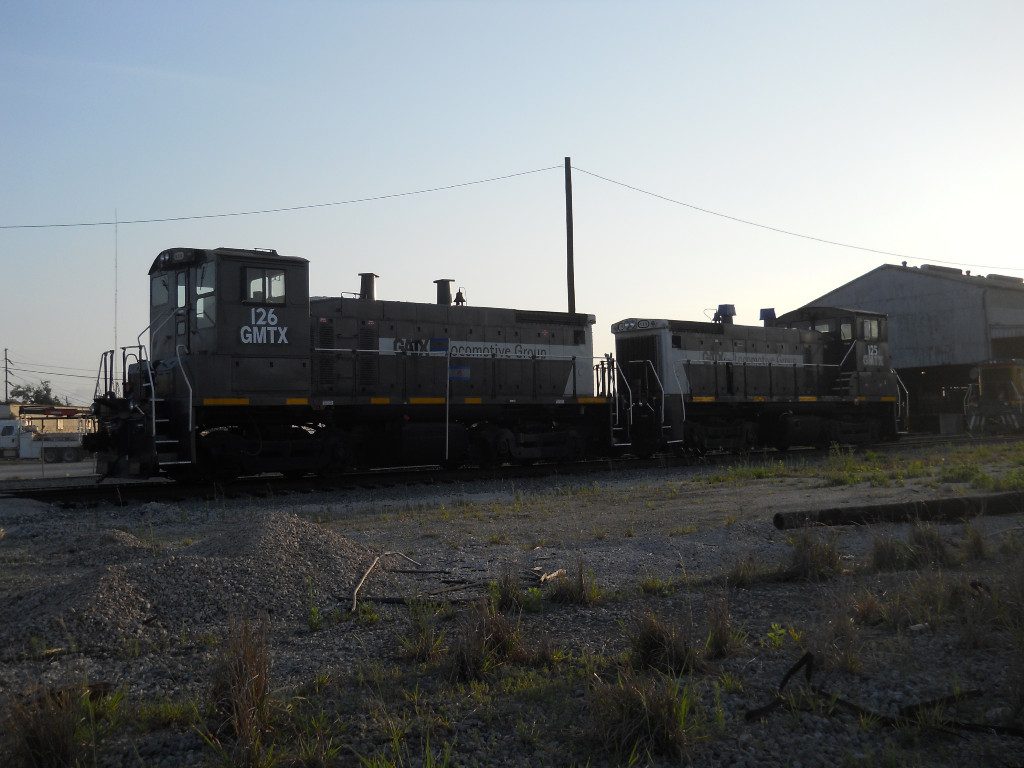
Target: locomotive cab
[(229, 331), (854, 347), (242, 316)]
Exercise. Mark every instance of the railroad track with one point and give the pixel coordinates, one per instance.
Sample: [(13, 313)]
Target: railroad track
[(86, 492)]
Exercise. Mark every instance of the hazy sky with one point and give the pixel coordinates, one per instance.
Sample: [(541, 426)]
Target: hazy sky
[(894, 125)]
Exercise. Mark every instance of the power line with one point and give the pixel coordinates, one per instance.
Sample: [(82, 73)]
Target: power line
[(50, 365), (53, 373), (777, 229), (278, 210), (392, 196)]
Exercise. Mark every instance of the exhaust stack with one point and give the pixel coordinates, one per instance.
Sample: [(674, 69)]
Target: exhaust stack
[(367, 288), (444, 291)]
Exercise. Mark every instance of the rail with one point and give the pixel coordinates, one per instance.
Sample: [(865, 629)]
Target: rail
[(849, 349), (105, 375), (573, 386), (661, 391), (818, 370), (902, 402), (184, 376), (628, 399), (629, 391)]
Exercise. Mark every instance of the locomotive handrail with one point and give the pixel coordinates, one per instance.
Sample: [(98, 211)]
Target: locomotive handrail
[(902, 399), (629, 393), (141, 357), (675, 374), (661, 389), (532, 358), (105, 374), (848, 351), (169, 315), (184, 375)]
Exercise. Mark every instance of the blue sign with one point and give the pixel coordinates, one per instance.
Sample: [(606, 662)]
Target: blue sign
[(458, 373)]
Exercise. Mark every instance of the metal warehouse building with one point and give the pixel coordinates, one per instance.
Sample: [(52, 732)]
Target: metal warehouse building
[(942, 323)]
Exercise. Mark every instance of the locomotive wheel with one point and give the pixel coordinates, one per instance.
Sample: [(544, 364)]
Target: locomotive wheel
[(575, 449), (485, 455)]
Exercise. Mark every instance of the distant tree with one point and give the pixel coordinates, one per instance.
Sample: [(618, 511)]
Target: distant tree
[(40, 394)]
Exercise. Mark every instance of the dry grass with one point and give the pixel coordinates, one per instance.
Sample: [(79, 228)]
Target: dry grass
[(722, 638), (44, 728), (641, 715), (484, 640), (54, 728), (240, 694), (815, 555), (661, 646), (578, 588), (425, 642)]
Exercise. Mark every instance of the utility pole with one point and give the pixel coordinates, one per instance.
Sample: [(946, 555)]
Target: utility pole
[(570, 270), (7, 372)]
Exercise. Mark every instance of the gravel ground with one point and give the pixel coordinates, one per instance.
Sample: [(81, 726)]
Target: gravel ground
[(141, 598)]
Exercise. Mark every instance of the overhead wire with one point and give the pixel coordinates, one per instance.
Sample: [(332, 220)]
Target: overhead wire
[(49, 365), (280, 210), (777, 229), (376, 198), (65, 393), (52, 373)]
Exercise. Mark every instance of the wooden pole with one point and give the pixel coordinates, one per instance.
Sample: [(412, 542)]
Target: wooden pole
[(570, 270)]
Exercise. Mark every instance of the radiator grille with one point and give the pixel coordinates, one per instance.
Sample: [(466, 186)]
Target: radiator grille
[(368, 366)]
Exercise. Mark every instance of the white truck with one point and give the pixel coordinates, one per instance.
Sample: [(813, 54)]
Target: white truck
[(19, 440)]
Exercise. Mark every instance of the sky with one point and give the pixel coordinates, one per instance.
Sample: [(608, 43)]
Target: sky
[(734, 152)]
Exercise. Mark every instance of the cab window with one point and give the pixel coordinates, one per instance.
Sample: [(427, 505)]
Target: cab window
[(159, 292), (846, 330), (206, 305), (870, 329), (825, 326), (264, 286)]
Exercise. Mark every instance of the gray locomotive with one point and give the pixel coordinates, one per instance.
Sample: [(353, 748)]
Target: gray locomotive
[(812, 377), (247, 373)]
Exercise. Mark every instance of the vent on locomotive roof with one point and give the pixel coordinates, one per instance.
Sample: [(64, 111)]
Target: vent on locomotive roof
[(725, 314), (444, 291), (945, 270), (1005, 279), (367, 286)]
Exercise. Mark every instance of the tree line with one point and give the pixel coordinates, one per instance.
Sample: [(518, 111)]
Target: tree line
[(35, 394)]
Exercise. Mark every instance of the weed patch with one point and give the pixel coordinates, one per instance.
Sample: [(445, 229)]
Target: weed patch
[(640, 715)]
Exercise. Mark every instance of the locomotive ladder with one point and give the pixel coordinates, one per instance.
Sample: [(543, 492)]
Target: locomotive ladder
[(842, 387), (166, 446)]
